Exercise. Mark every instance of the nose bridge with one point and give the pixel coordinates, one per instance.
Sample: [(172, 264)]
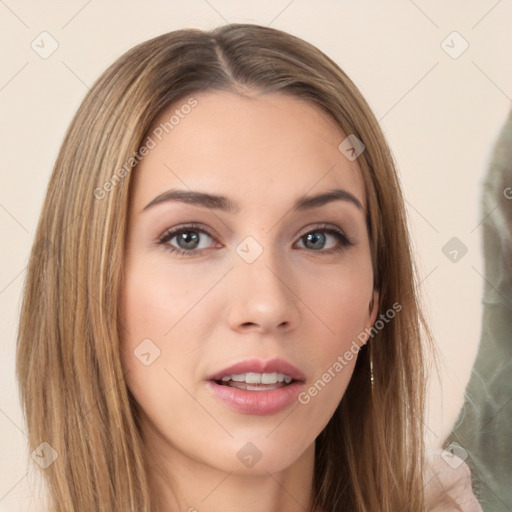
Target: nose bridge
[(261, 288), (266, 274)]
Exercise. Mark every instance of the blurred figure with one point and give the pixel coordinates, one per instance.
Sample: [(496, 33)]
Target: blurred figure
[(485, 424)]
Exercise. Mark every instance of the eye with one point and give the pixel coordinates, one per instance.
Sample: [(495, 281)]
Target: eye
[(318, 239), (191, 240), (187, 240)]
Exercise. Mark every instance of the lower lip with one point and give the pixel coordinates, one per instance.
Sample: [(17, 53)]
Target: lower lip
[(257, 402)]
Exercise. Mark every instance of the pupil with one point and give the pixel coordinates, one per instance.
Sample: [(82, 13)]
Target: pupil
[(189, 238), (315, 237)]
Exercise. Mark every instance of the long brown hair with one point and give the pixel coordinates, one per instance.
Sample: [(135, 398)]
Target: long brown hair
[(370, 455)]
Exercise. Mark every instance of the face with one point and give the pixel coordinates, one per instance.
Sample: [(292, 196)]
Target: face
[(262, 277)]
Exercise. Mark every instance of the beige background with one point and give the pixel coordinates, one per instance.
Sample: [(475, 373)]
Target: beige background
[(440, 114)]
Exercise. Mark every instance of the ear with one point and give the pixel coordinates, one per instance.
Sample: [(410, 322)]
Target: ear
[(373, 309)]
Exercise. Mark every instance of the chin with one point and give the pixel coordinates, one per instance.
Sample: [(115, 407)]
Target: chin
[(258, 456)]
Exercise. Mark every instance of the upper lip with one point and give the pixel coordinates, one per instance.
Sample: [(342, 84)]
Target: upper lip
[(276, 365)]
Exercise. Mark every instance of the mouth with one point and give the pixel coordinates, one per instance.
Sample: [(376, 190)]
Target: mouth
[(257, 387)]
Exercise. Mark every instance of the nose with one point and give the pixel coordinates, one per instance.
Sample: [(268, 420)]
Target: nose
[(262, 296)]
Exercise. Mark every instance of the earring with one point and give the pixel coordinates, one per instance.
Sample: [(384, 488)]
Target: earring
[(372, 379)]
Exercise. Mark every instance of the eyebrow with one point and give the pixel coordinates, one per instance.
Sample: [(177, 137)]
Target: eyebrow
[(223, 203)]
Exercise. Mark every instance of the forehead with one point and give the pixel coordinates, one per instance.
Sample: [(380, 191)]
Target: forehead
[(260, 146)]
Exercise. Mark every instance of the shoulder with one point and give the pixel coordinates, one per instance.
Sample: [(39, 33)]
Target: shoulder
[(448, 485)]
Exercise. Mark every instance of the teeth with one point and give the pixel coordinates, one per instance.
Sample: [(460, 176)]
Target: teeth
[(258, 378), (269, 378), (255, 387), (253, 378)]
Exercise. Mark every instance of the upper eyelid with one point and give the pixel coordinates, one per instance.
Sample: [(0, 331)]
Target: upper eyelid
[(191, 227)]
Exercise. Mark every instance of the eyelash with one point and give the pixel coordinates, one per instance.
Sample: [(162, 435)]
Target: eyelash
[(324, 228)]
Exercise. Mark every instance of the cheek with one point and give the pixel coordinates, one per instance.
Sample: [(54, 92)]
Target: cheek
[(158, 301), (160, 343), (338, 316), (164, 323), (340, 301)]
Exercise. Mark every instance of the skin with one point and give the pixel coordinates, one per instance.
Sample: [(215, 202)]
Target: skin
[(209, 310)]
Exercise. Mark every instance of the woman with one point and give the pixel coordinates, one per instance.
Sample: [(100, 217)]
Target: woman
[(220, 310)]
